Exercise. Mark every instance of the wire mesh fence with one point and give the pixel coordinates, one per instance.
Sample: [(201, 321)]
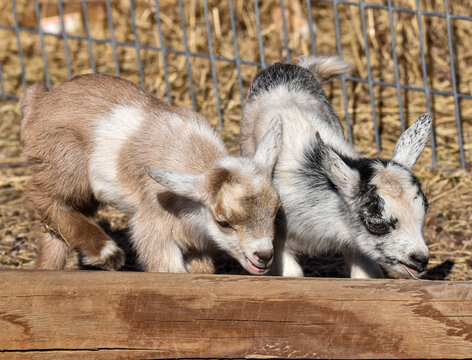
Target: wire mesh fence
[(408, 56)]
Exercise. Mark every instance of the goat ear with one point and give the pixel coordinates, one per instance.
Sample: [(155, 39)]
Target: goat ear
[(346, 179), (187, 185), (412, 142), (269, 146)]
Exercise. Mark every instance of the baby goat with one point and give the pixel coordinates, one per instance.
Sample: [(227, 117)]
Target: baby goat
[(332, 197), (98, 139)]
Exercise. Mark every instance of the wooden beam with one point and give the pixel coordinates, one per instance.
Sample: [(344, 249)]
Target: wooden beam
[(109, 315)]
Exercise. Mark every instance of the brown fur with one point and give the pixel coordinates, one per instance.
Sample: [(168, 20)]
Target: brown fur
[(59, 136), (60, 189), (219, 177), (51, 242)]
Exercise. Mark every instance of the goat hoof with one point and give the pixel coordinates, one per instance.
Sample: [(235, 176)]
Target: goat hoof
[(111, 258), (114, 261)]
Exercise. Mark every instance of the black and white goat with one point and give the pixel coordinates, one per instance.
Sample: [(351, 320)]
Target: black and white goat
[(333, 198)]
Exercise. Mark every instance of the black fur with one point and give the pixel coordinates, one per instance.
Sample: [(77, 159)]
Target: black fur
[(312, 168), (370, 204), (294, 77), (312, 172), (425, 201), (415, 181)]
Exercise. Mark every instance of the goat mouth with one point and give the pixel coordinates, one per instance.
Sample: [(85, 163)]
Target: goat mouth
[(254, 268), (411, 271)]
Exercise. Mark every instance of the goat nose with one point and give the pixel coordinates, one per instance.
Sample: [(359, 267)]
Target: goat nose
[(420, 260), (264, 257)]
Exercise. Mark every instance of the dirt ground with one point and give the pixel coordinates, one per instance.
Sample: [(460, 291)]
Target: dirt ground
[(448, 226)]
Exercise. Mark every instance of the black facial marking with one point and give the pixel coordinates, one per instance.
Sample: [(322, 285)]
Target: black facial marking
[(388, 260), (420, 194), (374, 205), (414, 180), (313, 172), (380, 247), (372, 214), (365, 167), (371, 206)]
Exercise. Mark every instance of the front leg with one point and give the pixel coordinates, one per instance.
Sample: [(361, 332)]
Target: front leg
[(362, 267), (155, 247), (290, 265), (200, 264), (285, 261)]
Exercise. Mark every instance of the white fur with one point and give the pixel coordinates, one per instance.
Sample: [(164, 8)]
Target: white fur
[(289, 265), (325, 67), (107, 251), (109, 136), (318, 219)]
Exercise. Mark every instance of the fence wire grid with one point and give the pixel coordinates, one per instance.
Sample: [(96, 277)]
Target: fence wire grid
[(414, 9)]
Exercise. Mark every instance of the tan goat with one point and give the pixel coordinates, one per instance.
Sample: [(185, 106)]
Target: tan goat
[(98, 139)]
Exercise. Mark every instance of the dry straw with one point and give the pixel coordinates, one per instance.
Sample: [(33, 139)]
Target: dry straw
[(448, 227)]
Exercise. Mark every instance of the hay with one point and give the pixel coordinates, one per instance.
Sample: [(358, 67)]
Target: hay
[(448, 224)]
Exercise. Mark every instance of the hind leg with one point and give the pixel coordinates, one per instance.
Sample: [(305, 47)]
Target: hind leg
[(69, 226), (52, 252), (87, 237)]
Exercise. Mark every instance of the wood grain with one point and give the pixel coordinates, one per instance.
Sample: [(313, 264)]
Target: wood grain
[(113, 315)]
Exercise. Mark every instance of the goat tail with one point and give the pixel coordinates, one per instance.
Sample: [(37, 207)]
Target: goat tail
[(32, 94), (324, 67)]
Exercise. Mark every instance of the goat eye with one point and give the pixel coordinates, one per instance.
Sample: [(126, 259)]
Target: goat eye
[(377, 228), (224, 224)]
